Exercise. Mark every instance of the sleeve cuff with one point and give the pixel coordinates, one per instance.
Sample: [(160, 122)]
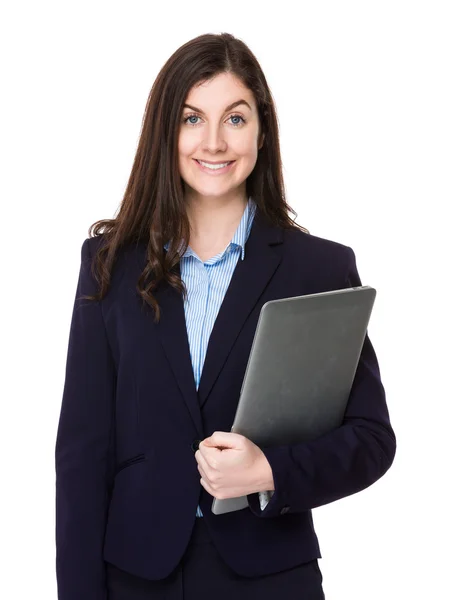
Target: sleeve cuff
[(264, 498), (274, 502)]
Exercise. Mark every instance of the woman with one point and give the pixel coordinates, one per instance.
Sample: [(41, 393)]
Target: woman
[(167, 302)]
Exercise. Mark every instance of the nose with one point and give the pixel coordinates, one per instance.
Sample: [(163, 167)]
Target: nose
[(214, 140)]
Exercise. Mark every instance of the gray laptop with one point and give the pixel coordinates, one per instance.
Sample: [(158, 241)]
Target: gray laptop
[(300, 370)]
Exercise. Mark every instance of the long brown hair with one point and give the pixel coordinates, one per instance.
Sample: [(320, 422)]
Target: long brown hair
[(153, 208)]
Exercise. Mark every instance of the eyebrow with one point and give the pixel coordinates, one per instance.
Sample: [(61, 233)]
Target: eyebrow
[(232, 105)]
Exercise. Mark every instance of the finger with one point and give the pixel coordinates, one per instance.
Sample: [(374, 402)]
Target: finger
[(202, 472), (205, 470), (201, 463), (209, 458), (201, 460), (207, 487), (205, 462)]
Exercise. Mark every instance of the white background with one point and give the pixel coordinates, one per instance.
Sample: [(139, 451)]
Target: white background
[(362, 93)]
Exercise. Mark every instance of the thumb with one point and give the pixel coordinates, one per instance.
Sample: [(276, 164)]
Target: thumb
[(223, 439)]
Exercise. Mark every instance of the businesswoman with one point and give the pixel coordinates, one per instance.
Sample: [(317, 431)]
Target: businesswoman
[(167, 302)]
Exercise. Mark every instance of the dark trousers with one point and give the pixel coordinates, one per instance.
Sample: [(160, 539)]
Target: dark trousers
[(202, 574)]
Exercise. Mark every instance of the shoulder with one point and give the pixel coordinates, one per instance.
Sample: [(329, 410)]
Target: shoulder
[(325, 262), (120, 263), (90, 246), (305, 244)]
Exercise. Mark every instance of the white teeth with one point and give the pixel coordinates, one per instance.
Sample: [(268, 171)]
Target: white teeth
[(214, 167)]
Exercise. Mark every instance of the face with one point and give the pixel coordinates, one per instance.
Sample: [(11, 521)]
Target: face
[(220, 124)]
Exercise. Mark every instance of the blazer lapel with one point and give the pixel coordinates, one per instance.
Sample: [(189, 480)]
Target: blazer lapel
[(249, 279), (174, 340)]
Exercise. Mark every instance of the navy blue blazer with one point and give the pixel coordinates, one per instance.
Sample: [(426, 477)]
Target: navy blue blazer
[(127, 483)]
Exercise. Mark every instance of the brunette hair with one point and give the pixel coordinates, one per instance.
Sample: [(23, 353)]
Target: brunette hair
[(153, 209)]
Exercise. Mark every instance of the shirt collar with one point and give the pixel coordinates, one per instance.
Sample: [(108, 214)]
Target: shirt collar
[(242, 232)]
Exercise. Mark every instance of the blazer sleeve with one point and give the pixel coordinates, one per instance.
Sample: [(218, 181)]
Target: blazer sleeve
[(84, 449), (344, 461)]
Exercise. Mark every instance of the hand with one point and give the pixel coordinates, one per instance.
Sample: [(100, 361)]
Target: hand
[(231, 465)]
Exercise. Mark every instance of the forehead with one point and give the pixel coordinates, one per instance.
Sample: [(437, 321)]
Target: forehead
[(220, 92)]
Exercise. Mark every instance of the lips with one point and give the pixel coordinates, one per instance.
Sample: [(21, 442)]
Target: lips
[(218, 163), (217, 171)]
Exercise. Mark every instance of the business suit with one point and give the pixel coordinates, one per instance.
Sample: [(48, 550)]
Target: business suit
[(130, 415)]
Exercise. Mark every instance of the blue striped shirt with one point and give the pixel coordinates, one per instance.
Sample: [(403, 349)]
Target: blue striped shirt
[(206, 285)]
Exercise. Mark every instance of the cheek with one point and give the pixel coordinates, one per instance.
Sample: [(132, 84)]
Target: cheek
[(187, 144), (246, 147), (185, 148)]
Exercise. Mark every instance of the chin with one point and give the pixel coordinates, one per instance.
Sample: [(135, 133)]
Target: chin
[(211, 192)]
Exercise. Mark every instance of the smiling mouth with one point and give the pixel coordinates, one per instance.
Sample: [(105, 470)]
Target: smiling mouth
[(222, 162), (215, 168)]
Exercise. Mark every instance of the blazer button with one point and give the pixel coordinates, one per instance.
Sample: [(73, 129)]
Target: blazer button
[(284, 510), (195, 444)]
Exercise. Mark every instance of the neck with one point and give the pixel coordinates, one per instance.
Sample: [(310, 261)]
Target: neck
[(216, 219)]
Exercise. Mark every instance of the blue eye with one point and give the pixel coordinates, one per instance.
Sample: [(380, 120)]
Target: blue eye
[(237, 117), (191, 117), (194, 116)]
